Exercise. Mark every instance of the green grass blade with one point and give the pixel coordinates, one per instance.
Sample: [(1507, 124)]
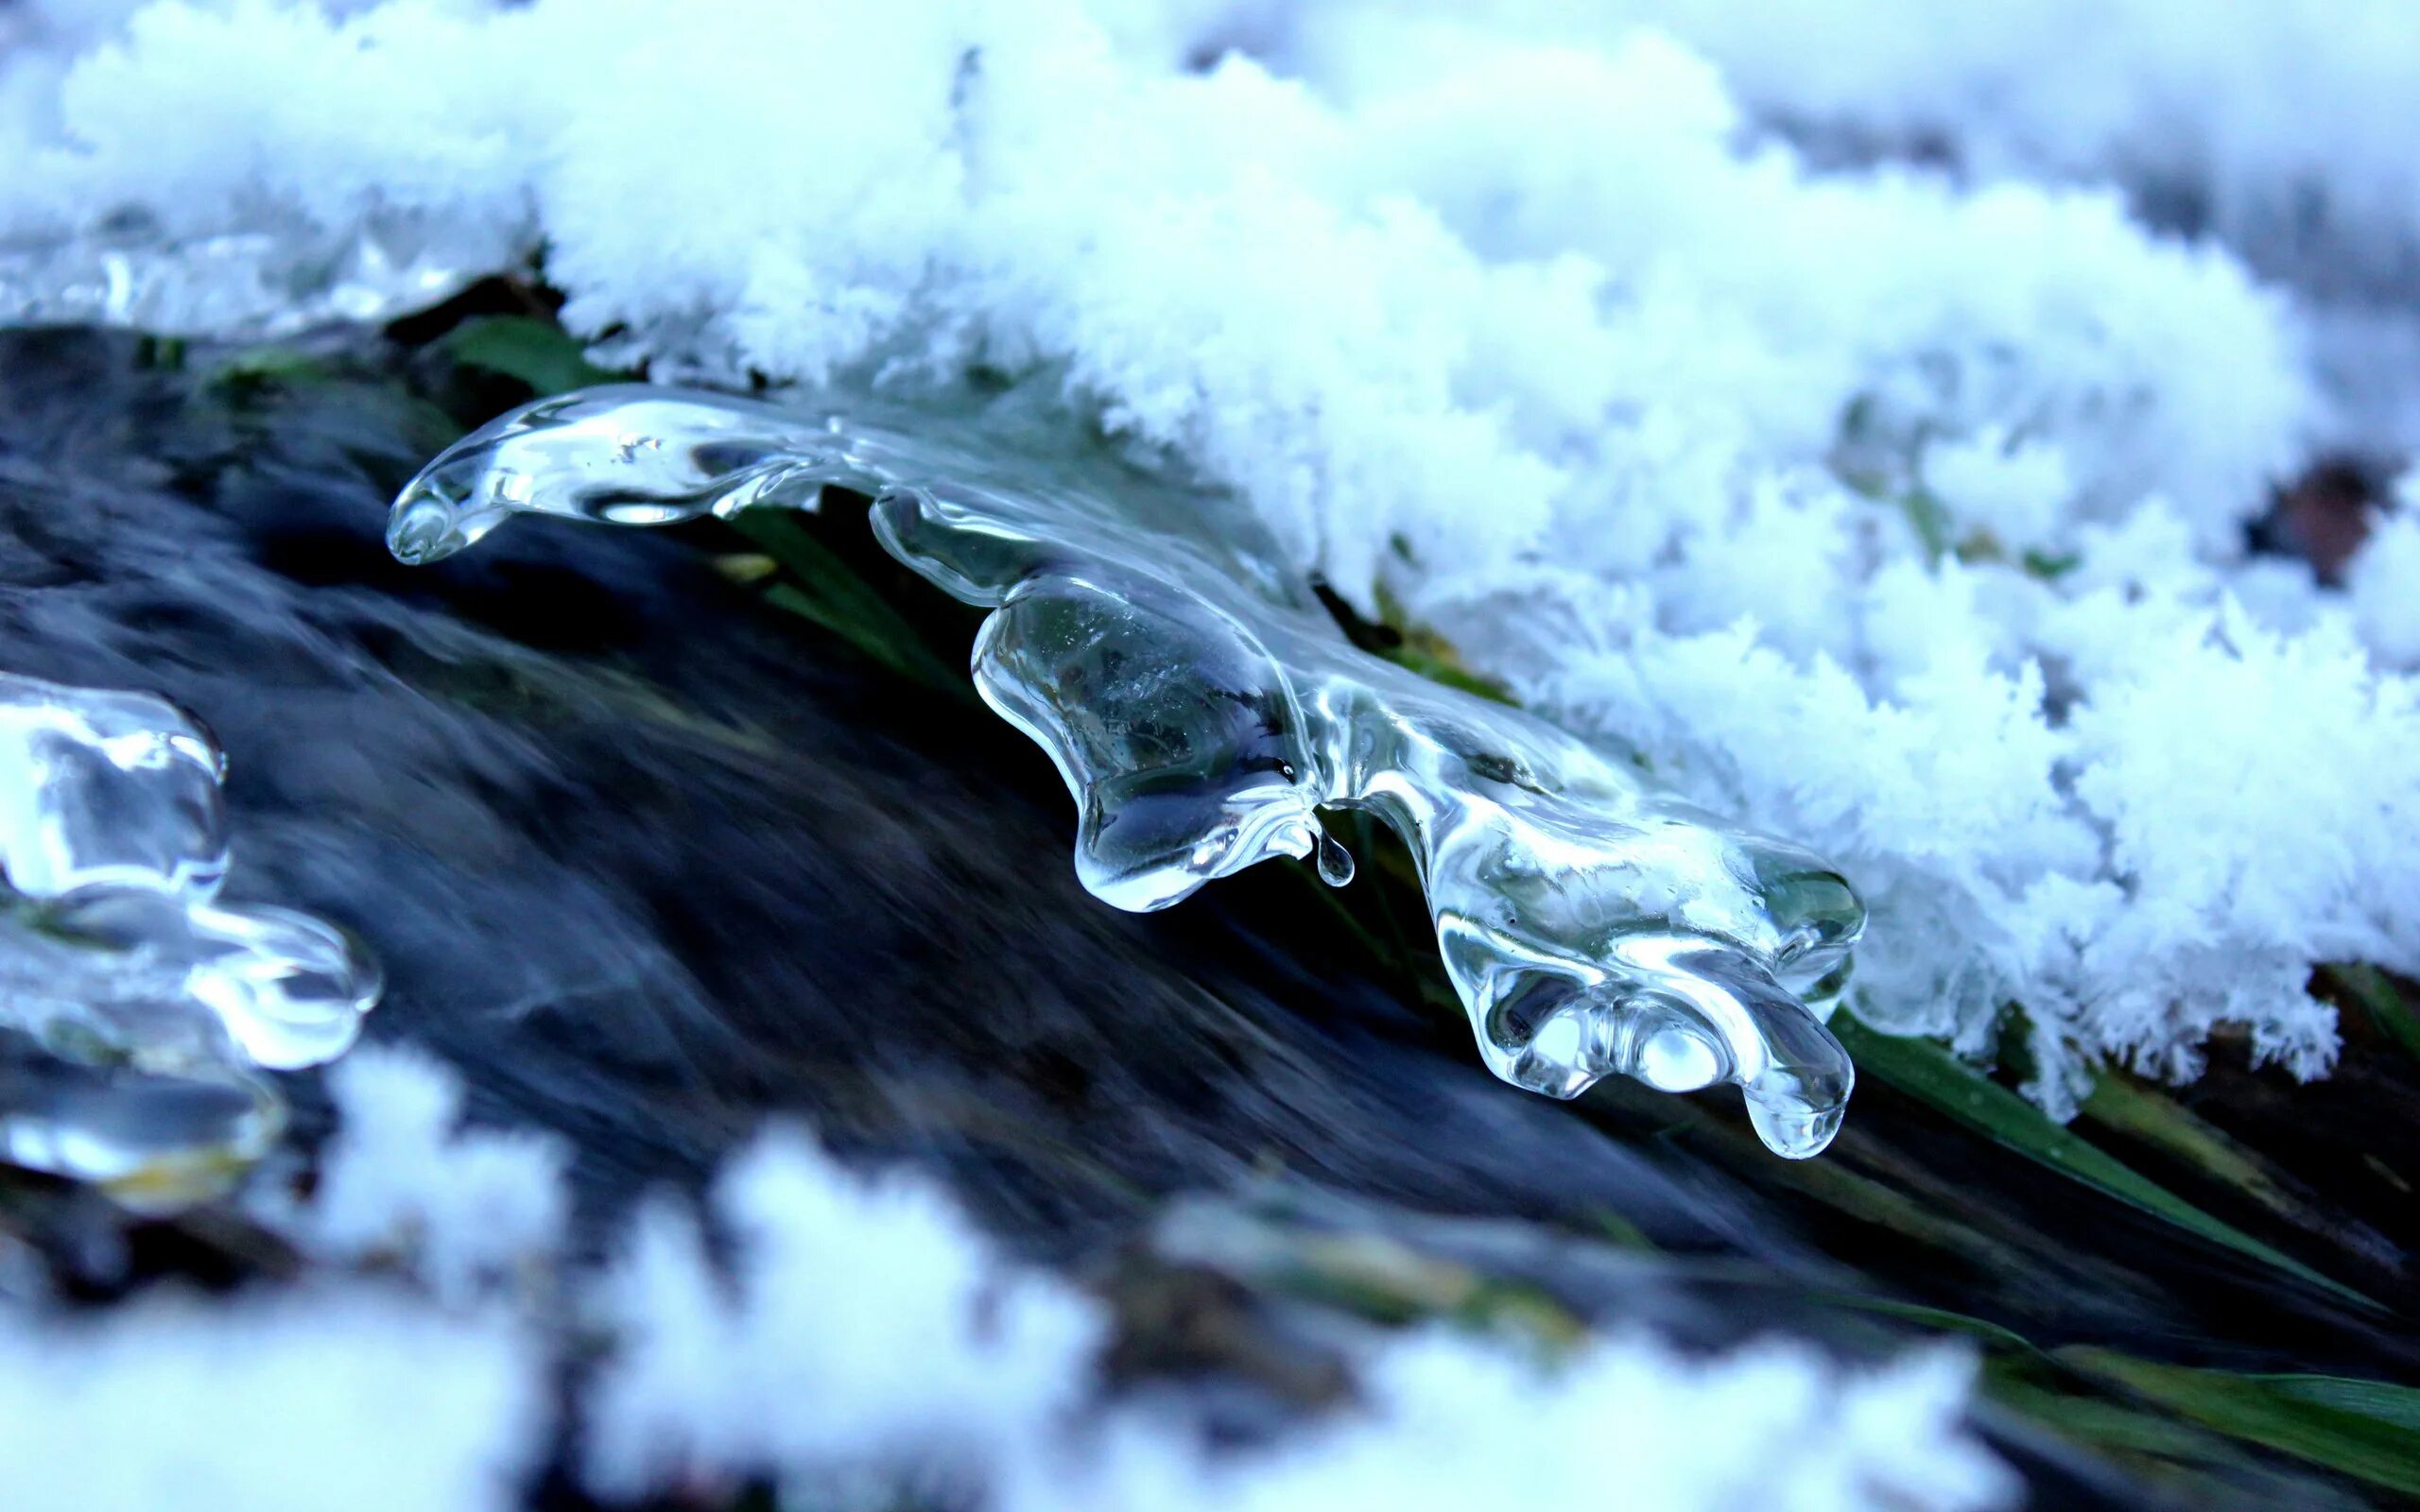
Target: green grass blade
[(1937, 1318), (2359, 1428), (245, 373), (2382, 1399), (1933, 1076), (2126, 1107), (545, 356), (2369, 986), (822, 588)]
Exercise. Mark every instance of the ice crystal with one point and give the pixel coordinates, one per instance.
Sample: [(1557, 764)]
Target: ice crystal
[(1202, 710)]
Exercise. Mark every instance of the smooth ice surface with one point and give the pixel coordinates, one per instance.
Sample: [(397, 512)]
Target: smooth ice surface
[(135, 1008), (1203, 710)]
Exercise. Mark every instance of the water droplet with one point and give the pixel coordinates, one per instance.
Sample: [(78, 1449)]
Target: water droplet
[(1335, 862), (1795, 1131)]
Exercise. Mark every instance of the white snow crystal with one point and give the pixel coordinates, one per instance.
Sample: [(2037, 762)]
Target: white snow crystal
[(868, 1330), (864, 1338), (2384, 582), (2010, 491)]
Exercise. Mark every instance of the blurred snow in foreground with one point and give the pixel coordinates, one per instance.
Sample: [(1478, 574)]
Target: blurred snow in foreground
[(347, 1395), (865, 1336), (1859, 454)]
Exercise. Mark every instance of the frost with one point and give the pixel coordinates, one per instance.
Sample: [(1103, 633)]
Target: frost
[(870, 1337), (2276, 129), (1494, 1430), (2011, 492), (2384, 582), (1846, 490), (868, 1327), (402, 1181), (851, 1339), (322, 1397)]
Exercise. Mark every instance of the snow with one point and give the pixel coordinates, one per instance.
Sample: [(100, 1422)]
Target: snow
[(2277, 128), (350, 1396), (2383, 581), (853, 1338), (402, 1181), (1896, 508), (1771, 1426), (868, 1327)]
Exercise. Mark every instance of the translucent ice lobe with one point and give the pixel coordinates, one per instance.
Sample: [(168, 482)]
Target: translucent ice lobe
[(1174, 728), (623, 454), (117, 789), (136, 1010), (156, 1138), (289, 989), (1201, 709)]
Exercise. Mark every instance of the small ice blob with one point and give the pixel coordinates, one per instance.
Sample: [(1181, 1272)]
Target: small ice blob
[(136, 1010), (1203, 710), (115, 790)]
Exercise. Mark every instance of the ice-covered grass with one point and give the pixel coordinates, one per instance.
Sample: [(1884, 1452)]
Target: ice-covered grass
[(1901, 513)]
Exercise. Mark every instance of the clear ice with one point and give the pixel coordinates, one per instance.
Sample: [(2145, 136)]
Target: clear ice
[(1202, 709), (136, 1008), (279, 277)]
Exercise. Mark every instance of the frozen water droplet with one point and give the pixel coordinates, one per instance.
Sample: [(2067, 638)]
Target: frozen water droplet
[(423, 532), (290, 989), (1335, 862), (1793, 1130), (155, 1139), (1203, 708), (111, 790)]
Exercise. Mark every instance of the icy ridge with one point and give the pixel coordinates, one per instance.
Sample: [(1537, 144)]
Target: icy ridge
[(1202, 712)]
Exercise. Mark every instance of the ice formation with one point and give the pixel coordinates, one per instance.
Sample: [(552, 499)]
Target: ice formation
[(1898, 511), (1201, 709), (137, 1009)]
